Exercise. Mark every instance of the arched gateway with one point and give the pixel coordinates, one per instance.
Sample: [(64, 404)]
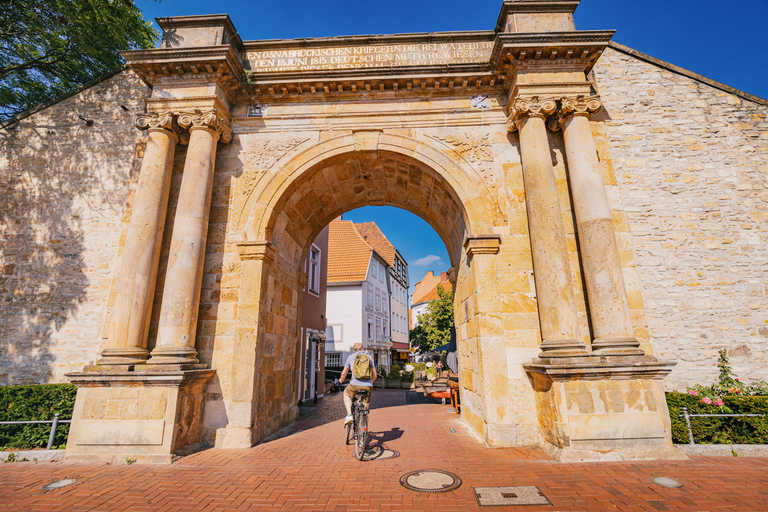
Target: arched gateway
[(488, 136)]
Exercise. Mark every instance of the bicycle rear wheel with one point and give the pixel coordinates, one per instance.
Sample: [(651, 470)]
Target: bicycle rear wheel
[(361, 435), (349, 432)]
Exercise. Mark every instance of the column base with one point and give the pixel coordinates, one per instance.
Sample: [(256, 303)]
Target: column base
[(616, 347), (150, 417), (569, 347), (173, 356), (122, 356), (603, 408)]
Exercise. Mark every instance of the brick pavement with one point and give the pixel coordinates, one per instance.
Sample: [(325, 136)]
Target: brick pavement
[(308, 467)]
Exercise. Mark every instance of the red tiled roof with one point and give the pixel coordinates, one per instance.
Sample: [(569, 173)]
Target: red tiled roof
[(376, 239), (348, 253), (426, 289)]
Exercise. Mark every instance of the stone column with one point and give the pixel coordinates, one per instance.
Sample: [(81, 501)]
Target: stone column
[(183, 280), (551, 269), (141, 253), (608, 307)]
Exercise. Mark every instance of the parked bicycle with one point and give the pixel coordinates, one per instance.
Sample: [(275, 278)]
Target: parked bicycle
[(357, 430)]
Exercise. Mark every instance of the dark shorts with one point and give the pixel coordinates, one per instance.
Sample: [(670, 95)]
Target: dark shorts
[(351, 390)]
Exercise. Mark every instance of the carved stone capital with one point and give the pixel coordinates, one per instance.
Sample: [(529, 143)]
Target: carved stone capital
[(524, 108), (158, 121), (258, 250), (580, 106), (207, 119), (482, 244)]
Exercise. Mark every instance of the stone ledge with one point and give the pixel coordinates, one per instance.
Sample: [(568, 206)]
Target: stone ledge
[(601, 368), (165, 379), (30, 455)]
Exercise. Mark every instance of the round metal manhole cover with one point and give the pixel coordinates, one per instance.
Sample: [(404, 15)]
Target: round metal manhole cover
[(666, 482), (430, 480), (58, 484), (379, 454)]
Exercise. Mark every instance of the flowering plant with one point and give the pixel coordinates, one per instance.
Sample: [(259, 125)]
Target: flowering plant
[(727, 384)]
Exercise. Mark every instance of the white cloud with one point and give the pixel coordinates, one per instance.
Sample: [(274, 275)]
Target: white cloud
[(426, 261)]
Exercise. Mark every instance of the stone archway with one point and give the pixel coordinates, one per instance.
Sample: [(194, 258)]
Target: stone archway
[(285, 211)]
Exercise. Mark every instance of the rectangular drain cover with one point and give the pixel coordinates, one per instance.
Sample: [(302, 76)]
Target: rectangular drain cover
[(500, 496)]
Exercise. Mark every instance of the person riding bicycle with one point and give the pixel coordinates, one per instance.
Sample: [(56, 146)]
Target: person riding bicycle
[(363, 375)]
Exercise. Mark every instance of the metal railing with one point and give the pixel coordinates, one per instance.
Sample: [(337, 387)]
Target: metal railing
[(54, 425), (689, 416)]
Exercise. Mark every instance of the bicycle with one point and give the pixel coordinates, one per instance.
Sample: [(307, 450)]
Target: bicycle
[(358, 429)]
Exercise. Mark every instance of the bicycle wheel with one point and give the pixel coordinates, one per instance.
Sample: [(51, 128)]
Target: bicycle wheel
[(349, 432), (361, 435)]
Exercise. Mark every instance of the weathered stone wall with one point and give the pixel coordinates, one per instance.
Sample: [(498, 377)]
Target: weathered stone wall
[(691, 164), (64, 188)]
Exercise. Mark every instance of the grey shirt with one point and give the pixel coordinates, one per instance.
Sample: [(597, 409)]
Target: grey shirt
[(351, 362)]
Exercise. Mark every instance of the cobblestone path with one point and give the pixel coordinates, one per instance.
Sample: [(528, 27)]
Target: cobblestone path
[(308, 467)]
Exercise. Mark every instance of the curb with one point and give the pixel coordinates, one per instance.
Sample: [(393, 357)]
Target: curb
[(724, 450), (31, 455)]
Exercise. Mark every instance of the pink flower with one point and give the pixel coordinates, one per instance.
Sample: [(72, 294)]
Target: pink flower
[(738, 379), (706, 400), (731, 390), (738, 391), (693, 392), (719, 402)]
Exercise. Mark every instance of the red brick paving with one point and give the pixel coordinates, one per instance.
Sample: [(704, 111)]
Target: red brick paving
[(308, 467)]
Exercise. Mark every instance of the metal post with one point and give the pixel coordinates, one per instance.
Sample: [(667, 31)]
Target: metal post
[(54, 426), (688, 424)]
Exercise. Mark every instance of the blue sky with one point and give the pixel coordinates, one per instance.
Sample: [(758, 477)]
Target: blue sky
[(724, 41)]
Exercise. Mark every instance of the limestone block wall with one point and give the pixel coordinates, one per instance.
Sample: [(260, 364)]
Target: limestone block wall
[(691, 165), (64, 189)]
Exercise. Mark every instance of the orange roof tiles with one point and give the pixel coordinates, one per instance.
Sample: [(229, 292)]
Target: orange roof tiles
[(426, 289), (376, 239), (348, 253)]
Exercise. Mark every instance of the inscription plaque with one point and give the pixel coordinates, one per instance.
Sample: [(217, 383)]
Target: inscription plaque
[(370, 56)]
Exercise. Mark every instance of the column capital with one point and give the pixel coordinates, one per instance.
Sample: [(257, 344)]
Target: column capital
[(580, 106), (164, 120), (213, 119), (524, 108), (257, 250)]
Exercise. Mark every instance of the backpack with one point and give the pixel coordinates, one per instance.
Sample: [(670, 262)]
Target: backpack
[(361, 368)]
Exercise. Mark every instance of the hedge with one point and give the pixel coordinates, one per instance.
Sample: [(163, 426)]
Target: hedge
[(35, 403), (719, 430)]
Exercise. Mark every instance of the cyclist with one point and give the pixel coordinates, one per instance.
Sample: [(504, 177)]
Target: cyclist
[(363, 375)]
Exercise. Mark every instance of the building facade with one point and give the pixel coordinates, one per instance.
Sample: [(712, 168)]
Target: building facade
[(358, 297), (425, 291), (397, 285), (161, 269), (313, 321)]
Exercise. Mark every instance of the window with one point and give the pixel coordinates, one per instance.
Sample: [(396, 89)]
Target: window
[(384, 301), (378, 300), (374, 267), (332, 359), (314, 270), (381, 273), (378, 329), (384, 329), (370, 295), (370, 327)]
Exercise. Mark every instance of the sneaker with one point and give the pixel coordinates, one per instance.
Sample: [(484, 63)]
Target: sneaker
[(347, 420)]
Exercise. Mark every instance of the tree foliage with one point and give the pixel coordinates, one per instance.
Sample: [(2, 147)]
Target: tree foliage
[(49, 47), (434, 327)]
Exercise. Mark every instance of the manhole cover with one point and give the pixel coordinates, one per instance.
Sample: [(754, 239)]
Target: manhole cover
[(380, 454), (58, 484), (430, 480), (501, 496), (666, 482)]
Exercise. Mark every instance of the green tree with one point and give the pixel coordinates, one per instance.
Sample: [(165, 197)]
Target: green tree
[(49, 47), (434, 328)]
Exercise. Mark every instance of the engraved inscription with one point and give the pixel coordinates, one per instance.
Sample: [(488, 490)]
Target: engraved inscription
[(378, 56)]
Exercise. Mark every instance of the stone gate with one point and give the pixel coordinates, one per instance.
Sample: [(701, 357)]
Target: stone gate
[(495, 138)]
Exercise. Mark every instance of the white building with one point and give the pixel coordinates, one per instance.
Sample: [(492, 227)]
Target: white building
[(397, 282), (358, 304), (424, 292)]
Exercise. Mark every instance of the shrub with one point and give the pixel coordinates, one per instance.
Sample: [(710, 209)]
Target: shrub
[(35, 403), (727, 384), (394, 371), (719, 430), (407, 376)]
